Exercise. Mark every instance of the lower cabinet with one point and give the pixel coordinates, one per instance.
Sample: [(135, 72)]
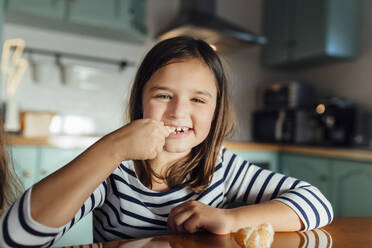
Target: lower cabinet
[(32, 164), (266, 160), (313, 170), (344, 182), (352, 187)]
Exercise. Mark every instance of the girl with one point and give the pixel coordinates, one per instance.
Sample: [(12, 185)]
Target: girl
[(165, 171)]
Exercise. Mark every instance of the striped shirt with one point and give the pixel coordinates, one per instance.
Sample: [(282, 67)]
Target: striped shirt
[(124, 208)]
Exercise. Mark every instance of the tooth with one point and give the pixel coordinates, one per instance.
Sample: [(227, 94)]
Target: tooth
[(185, 129), (171, 129), (179, 129)]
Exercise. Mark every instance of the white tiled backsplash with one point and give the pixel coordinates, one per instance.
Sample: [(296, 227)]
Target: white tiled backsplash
[(93, 98)]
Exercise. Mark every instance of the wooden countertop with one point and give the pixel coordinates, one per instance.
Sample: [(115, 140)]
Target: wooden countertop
[(342, 232), (341, 153), (85, 141), (53, 141)]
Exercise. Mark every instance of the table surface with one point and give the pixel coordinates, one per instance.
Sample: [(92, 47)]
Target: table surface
[(342, 232)]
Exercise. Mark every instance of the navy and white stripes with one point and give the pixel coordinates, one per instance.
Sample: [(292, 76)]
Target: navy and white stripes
[(125, 208)]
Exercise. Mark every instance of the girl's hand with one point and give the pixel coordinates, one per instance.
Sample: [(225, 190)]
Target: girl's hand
[(140, 140), (192, 216)]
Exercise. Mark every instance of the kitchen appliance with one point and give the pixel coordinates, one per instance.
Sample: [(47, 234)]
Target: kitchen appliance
[(198, 19), (297, 126), (337, 117), (362, 136), (288, 95)]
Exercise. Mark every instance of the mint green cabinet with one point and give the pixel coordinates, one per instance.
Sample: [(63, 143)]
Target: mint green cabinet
[(51, 159), (114, 14), (25, 160), (267, 160), (33, 164), (123, 20), (95, 12), (54, 9), (345, 183), (310, 32), (276, 14), (313, 170), (352, 187)]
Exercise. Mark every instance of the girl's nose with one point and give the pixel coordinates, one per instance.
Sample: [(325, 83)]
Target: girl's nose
[(177, 109)]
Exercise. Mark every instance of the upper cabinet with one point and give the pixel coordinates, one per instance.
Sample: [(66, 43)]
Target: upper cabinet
[(310, 32), (46, 8), (113, 19), (116, 14)]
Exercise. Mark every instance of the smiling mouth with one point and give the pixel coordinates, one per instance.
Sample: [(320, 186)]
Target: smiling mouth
[(177, 130)]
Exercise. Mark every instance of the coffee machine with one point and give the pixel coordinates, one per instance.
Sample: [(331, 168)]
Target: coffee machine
[(287, 114), (336, 117)]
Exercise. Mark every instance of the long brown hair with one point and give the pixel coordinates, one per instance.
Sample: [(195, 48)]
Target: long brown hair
[(200, 163), (10, 186)]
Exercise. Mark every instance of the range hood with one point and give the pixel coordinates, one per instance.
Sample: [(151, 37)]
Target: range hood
[(197, 18)]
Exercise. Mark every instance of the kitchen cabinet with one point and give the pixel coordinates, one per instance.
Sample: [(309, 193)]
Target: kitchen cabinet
[(25, 160), (114, 14), (343, 182), (34, 163), (54, 9), (351, 188), (313, 170), (123, 20), (302, 32), (267, 160)]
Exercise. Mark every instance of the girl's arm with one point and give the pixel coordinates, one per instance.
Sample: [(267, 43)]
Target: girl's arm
[(279, 215), (263, 189), (55, 200), (47, 210), (287, 203)]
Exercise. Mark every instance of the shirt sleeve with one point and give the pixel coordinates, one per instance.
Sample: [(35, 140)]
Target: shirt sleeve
[(248, 183), (19, 229)]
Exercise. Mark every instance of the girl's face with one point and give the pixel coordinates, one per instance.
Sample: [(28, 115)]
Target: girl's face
[(183, 95)]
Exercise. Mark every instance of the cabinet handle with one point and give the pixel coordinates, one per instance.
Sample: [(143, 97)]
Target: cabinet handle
[(323, 178), (26, 173)]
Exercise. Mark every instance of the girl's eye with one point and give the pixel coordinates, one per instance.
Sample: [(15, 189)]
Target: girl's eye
[(163, 96), (198, 100)]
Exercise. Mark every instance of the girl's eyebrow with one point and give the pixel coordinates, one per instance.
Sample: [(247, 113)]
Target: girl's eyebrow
[(159, 88), (198, 92), (205, 93)]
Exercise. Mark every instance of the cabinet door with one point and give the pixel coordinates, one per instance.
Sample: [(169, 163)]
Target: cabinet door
[(313, 170), (51, 159), (352, 188), (95, 12), (276, 23), (266, 160), (25, 160), (309, 32), (133, 15), (126, 15), (42, 8)]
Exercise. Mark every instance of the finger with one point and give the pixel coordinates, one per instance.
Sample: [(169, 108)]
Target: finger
[(181, 218), (171, 217), (192, 224)]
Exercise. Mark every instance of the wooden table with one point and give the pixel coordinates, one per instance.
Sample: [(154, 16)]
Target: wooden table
[(343, 232)]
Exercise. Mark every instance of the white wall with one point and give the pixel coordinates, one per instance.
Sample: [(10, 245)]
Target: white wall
[(105, 105)]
